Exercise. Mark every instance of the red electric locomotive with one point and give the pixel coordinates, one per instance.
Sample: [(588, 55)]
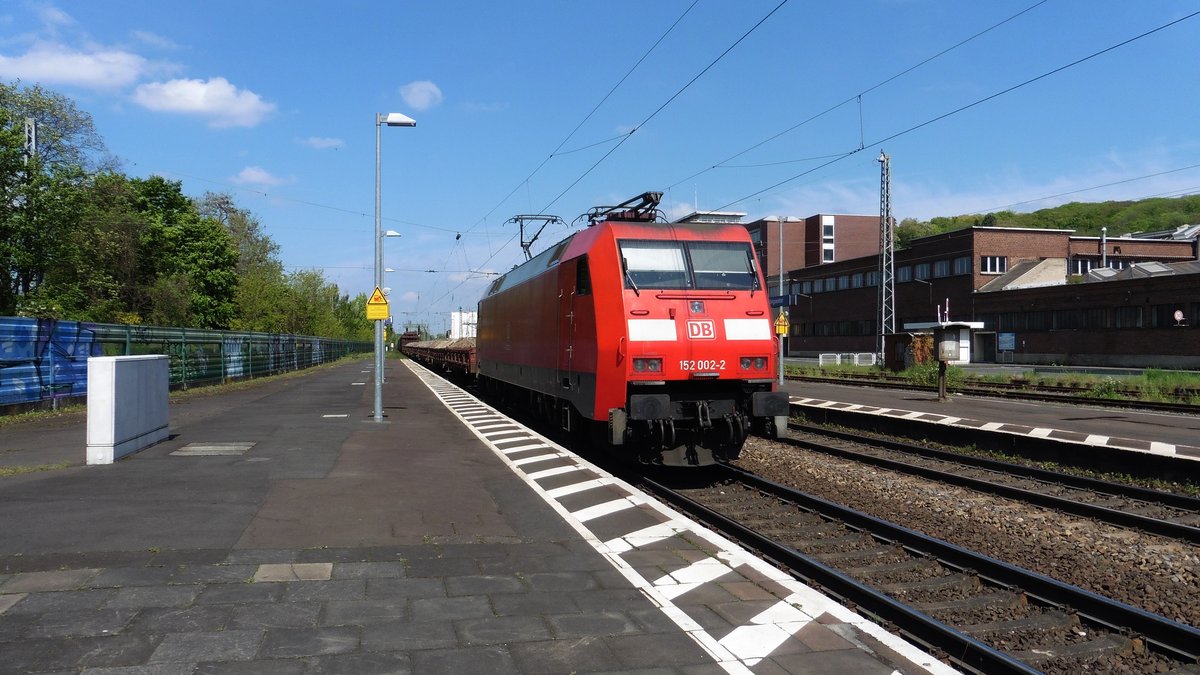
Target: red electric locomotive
[(654, 336)]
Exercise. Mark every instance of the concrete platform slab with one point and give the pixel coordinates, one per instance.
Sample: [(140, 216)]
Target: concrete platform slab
[(448, 539)]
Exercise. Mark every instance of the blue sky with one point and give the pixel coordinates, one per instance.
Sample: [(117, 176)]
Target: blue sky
[(274, 103)]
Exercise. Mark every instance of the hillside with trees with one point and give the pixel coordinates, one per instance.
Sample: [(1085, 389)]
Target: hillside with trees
[(1085, 218), (80, 240)]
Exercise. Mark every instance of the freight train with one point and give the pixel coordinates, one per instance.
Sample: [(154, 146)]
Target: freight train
[(654, 338)]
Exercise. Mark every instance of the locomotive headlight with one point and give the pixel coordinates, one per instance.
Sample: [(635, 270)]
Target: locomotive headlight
[(746, 362), (647, 365), (760, 363)]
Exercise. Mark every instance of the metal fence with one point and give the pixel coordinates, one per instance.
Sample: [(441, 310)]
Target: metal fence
[(46, 359)]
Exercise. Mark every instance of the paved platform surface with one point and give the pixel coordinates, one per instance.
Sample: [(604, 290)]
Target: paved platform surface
[(280, 530), (1165, 434)]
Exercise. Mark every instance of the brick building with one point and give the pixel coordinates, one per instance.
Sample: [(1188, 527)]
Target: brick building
[(816, 240), (995, 275)]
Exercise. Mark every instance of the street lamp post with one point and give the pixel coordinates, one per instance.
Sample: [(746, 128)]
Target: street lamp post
[(391, 120)]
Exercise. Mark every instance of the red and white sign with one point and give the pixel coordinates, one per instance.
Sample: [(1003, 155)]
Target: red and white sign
[(703, 329)]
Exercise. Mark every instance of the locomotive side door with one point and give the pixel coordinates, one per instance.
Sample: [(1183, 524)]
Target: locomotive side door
[(575, 284), (566, 327)]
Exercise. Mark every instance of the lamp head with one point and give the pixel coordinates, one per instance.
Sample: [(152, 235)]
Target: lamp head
[(399, 120)]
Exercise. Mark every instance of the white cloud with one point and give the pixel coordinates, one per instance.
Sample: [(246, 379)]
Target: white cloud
[(216, 99), (154, 40), (54, 64), (53, 16), (1012, 191), (256, 175), (421, 95), (319, 143)]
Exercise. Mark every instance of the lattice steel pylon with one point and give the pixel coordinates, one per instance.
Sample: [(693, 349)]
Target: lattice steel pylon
[(887, 253), (30, 139)]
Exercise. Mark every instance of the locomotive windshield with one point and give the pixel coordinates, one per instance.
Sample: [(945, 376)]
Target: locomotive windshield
[(701, 265)]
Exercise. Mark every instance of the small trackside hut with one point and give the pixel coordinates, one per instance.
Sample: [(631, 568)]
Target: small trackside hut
[(654, 337)]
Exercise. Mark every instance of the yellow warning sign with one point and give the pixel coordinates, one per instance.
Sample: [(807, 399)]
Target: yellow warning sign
[(377, 307), (781, 324)]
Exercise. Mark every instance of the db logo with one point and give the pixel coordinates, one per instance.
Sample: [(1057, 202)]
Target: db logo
[(701, 330)]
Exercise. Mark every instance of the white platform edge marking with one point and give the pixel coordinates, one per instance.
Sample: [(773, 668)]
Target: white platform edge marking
[(532, 445), (811, 603), (575, 488), (603, 509), (1156, 447), (532, 460)]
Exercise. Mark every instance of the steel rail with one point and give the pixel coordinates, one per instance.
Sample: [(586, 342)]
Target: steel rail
[(1179, 640), (1082, 482), (1105, 514), (1001, 391), (958, 646)]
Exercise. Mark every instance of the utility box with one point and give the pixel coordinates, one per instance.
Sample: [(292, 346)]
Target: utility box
[(947, 345), (126, 405)]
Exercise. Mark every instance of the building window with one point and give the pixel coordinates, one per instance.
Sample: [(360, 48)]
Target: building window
[(941, 269), (1082, 266), (1066, 319), (962, 265), (831, 284), (1127, 317), (806, 287), (1096, 317), (993, 264), (872, 278), (904, 273), (1117, 263), (922, 271), (856, 280), (826, 252)]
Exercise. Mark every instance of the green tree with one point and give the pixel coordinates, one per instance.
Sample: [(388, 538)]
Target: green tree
[(66, 135)]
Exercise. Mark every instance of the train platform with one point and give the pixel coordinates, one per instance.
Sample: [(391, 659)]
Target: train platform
[(1166, 435), (281, 530)]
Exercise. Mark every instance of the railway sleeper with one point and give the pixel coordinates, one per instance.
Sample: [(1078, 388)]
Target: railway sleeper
[(911, 566), (967, 583), (846, 558), (998, 599), (1048, 622), (1103, 646), (824, 545)]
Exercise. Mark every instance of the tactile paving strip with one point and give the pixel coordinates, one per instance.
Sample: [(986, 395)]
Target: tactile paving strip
[(685, 569)]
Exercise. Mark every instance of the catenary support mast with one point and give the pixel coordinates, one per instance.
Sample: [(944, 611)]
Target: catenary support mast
[(887, 250)]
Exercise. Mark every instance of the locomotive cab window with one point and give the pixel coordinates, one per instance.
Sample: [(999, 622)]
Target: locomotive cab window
[(722, 265), (654, 264), (708, 265)]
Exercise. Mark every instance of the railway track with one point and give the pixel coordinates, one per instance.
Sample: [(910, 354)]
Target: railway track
[(982, 614), (1050, 394), (1152, 511)]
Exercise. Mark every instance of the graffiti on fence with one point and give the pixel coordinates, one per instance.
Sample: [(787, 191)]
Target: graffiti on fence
[(46, 359)]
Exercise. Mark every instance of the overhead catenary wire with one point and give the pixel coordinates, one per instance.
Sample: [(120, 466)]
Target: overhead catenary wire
[(1088, 189), (968, 106), (666, 103), (651, 116), (587, 117), (858, 97)]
